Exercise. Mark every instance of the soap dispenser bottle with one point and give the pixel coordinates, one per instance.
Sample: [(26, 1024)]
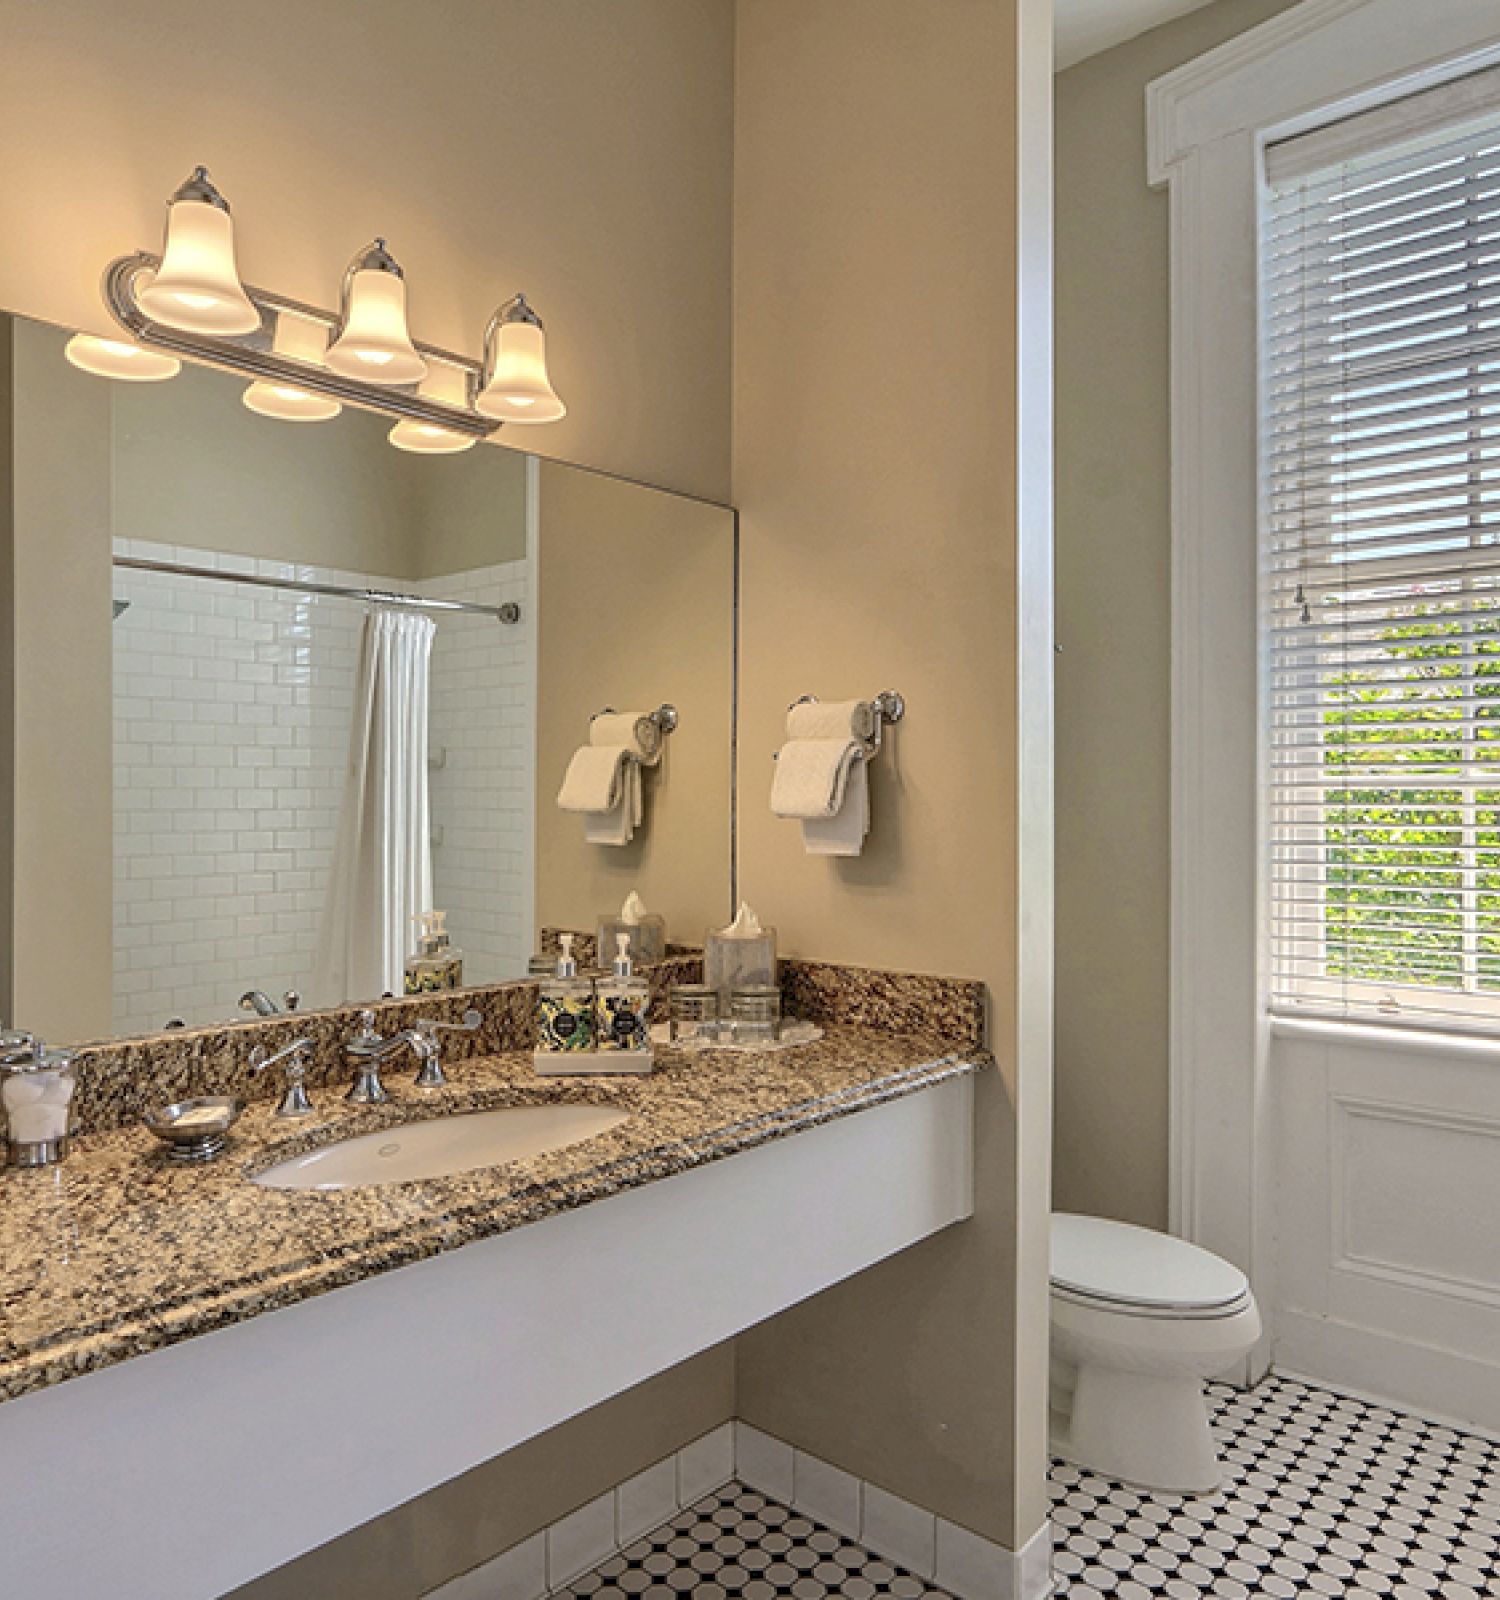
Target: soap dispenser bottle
[(624, 1002), (436, 965), (564, 1011)]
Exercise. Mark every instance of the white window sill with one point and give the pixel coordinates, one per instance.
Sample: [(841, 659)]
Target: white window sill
[(1411, 1041)]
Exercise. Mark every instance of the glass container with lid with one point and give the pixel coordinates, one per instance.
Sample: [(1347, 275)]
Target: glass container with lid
[(36, 1091)]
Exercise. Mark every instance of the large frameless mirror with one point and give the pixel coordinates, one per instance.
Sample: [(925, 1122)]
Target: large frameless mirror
[(281, 691)]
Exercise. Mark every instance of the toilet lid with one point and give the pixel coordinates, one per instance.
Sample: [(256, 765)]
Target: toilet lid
[(1129, 1266)]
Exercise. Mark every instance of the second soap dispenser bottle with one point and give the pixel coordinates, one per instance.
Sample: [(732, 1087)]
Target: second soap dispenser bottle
[(624, 1037)]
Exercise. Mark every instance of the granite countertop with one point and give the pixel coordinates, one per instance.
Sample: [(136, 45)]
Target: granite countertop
[(120, 1251)]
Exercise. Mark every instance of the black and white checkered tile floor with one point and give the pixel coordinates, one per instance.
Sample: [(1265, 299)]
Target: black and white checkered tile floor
[(738, 1543), (1323, 1495)]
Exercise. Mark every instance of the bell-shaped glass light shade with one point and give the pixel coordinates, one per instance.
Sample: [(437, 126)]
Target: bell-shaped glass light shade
[(118, 358), (373, 342), (427, 439), (517, 388), (296, 339), (449, 385), (197, 287)]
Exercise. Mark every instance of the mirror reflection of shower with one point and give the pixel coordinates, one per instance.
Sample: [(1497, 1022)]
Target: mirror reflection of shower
[(300, 772)]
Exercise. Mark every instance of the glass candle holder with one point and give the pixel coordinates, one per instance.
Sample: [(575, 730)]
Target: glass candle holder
[(755, 1013), (695, 1014)]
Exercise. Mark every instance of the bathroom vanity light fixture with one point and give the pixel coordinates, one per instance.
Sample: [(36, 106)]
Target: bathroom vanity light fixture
[(305, 362), (373, 343), (516, 385), (118, 358), (297, 338), (197, 286)]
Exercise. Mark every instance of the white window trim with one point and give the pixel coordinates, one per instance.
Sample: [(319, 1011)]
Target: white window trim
[(1207, 124)]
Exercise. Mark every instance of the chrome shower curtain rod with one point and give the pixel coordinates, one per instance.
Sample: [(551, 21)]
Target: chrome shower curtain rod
[(509, 612)]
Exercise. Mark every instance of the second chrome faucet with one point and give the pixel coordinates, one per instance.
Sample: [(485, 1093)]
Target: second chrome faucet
[(367, 1050)]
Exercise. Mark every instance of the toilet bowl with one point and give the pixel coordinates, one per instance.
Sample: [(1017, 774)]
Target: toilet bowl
[(1139, 1321)]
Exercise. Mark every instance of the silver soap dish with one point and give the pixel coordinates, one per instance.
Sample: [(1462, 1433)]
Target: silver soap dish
[(196, 1130)]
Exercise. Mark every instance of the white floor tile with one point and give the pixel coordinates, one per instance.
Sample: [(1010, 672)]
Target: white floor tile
[(1322, 1496)]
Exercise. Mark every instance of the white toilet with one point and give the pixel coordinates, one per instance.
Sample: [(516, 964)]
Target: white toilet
[(1139, 1320)]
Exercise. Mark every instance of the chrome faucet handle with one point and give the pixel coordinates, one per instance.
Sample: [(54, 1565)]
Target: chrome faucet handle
[(366, 1049), (291, 1000), (422, 1035), (294, 1102)]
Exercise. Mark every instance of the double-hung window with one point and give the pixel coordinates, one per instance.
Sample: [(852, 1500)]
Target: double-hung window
[(1380, 260)]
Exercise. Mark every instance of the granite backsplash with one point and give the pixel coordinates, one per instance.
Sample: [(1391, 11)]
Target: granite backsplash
[(120, 1080)]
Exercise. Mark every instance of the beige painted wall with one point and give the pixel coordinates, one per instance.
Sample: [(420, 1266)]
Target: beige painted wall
[(876, 377), (579, 150), (60, 685), (1114, 620), (637, 608), (7, 671)]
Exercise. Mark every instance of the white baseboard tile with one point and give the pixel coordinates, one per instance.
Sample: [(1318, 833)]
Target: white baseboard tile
[(644, 1502), (584, 1538), (968, 1566), (1034, 1576), (763, 1463), (827, 1494), (705, 1465), (519, 1574), (899, 1531)]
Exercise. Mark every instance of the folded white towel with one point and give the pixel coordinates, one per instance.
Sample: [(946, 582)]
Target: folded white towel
[(844, 833), (829, 719), (594, 779), (617, 827), (811, 776), (822, 779)]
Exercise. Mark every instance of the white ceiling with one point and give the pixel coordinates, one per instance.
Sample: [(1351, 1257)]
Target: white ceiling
[(1085, 27)]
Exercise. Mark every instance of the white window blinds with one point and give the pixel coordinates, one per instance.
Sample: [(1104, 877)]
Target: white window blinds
[(1381, 562)]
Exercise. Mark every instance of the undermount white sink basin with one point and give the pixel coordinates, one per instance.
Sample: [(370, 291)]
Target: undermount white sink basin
[(442, 1146)]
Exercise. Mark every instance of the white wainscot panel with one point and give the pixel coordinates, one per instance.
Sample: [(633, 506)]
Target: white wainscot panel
[(1388, 1253), (1418, 1196)]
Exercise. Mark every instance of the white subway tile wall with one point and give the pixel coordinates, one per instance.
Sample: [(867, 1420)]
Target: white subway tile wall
[(231, 737), (483, 739)]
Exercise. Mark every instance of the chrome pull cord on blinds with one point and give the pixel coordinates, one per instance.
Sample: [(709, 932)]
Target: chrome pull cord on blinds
[(1380, 259)]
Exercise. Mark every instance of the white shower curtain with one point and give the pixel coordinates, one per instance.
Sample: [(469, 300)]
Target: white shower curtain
[(382, 860)]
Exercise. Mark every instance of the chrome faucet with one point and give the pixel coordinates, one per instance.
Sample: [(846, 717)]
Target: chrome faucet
[(294, 1102), (423, 1038), (367, 1049), (260, 1004)]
